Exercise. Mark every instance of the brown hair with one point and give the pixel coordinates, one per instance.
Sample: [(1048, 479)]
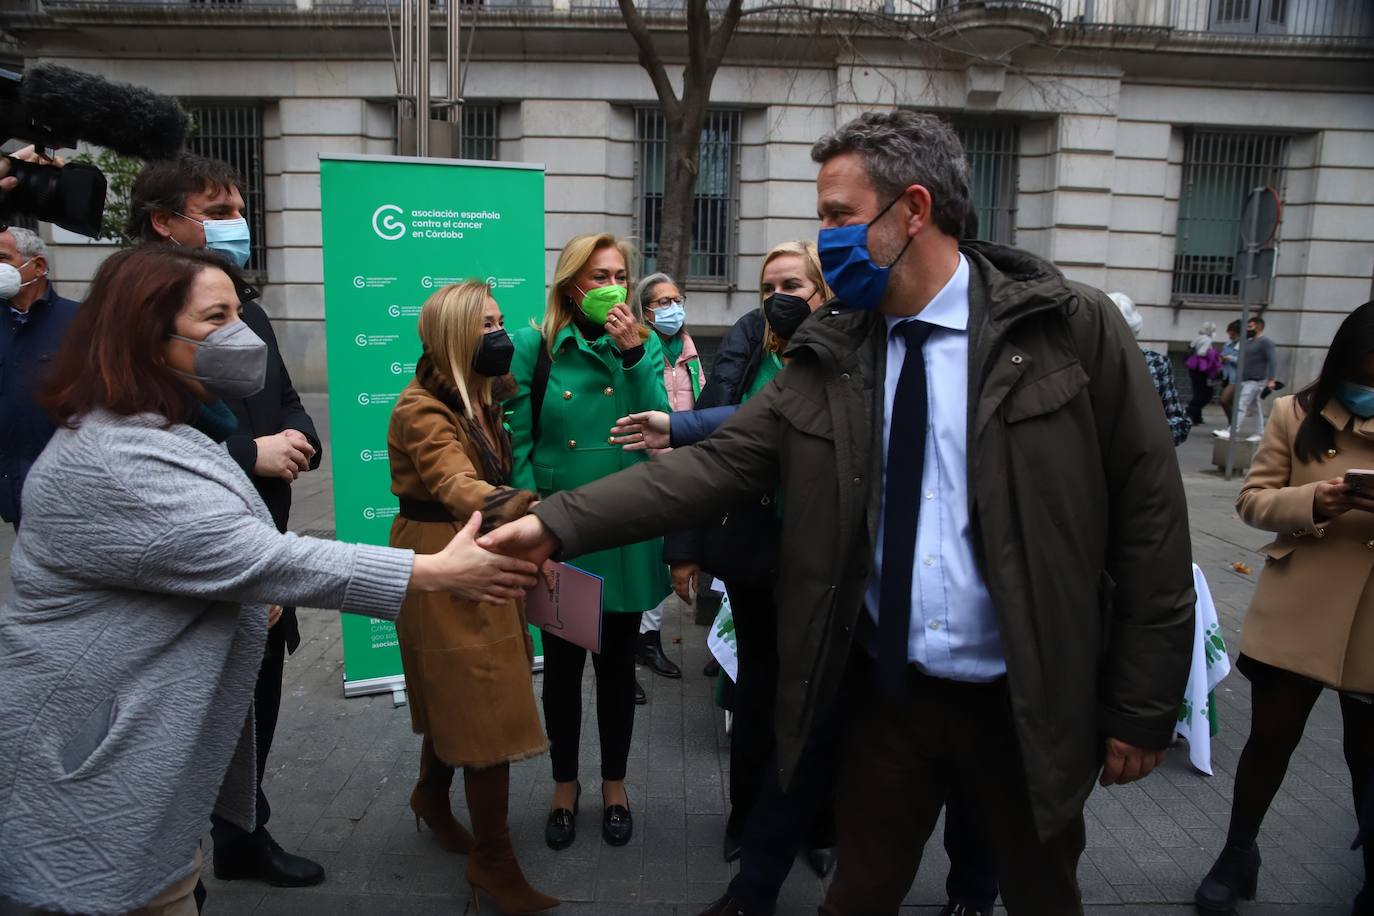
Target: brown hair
[(165, 184), (112, 354)]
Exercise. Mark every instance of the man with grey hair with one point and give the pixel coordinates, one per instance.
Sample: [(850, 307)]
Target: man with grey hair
[(985, 566), (35, 320)]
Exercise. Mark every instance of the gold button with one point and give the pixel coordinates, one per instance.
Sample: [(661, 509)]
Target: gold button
[(1331, 453), (1369, 544), (567, 395), (608, 392), (572, 443)]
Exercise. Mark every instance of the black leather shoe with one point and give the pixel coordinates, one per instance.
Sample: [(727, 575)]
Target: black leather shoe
[(822, 861), (712, 669), (731, 847), (649, 653), (561, 828), (641, 697), (617, 825), (723, 907), (259, 858), (1234, 876), (954, 908)]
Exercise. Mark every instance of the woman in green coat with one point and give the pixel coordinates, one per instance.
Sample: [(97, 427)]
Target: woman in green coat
[(588, 364)]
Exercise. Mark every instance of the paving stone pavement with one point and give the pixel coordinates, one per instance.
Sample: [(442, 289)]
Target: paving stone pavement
[(341, 772)]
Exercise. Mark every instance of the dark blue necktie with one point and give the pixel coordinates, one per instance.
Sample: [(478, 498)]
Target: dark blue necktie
[(906, 452)]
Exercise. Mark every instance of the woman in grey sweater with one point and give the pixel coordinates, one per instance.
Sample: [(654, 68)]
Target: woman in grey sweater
[(143, 578)]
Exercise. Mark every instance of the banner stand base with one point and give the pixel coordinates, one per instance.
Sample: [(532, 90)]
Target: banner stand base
[(394, 684)]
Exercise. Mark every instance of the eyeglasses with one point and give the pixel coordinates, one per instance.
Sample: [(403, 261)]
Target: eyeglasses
[(666, 301)]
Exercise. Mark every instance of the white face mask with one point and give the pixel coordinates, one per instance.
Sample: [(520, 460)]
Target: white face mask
[(11, 282)]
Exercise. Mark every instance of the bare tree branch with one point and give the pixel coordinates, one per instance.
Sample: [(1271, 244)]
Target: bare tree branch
[(649, 58), (723, 33)]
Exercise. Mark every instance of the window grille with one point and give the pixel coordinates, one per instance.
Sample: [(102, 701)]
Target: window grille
[(715, 198), (232, 132), (481, 131), (1219, 170), (992, 149)]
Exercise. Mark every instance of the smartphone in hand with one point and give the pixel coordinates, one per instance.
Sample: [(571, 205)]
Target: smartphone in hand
[(1360, 480)]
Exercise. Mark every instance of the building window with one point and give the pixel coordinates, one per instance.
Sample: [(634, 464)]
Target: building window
[(712, 256), (232, 132), (991, 148), (1219, 171), (481, 131)]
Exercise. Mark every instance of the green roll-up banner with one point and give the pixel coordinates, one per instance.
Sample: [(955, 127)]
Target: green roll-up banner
[(394, 230)]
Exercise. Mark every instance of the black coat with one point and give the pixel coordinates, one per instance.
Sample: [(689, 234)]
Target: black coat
[(27, 351), (275, 408)]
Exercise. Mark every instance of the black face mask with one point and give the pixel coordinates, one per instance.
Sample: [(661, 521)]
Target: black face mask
[(1250, 333), (785, 313), (494, 355)]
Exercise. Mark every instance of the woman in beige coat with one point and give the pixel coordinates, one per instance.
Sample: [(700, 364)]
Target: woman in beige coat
[(467, 664), (1311, 622)]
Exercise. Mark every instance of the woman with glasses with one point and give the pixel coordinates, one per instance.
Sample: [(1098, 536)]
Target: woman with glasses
[(660, 303)]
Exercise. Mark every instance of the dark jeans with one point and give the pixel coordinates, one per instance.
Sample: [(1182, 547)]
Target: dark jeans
[(903, 756), (1202, 394), (615, 696), (1280, 702), (266, 707)]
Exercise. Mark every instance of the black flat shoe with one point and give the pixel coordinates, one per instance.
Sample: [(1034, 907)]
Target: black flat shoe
[(725, 906), (617, 825), (1234, 876), (822, 861), (730, 848), (259, 858), (561, 828), (641, 698), (712, 669)]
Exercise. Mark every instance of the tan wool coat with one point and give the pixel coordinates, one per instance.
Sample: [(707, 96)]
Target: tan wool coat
[(467, 666), (1313, 612)]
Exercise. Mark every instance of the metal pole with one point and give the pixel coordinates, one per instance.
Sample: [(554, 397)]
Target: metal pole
[(455, 71), (1246, 287), (422, 77), (407, 67)]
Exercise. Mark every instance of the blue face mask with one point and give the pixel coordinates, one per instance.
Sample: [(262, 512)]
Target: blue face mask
[(668, 320), (229, 237), (1358, 399), (850, 269)]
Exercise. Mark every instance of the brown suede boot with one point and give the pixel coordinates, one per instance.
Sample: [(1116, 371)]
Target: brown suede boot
[(492, 867), (430, 802)]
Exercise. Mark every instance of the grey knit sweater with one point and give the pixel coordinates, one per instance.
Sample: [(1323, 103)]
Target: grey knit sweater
[(128, 654)]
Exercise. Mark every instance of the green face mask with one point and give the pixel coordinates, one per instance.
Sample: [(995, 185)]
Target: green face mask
[(598, 302)]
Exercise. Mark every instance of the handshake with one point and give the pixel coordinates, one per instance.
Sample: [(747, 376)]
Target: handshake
[(493, 568)]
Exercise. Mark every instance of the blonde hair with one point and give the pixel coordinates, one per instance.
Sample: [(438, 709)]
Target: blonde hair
[(811, 259), (451, 331), (575, 255)]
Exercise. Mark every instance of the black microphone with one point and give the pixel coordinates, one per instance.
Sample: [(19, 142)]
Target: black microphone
[(128, 119)]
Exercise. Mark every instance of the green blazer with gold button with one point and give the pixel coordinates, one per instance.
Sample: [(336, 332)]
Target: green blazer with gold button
[(588, 390)]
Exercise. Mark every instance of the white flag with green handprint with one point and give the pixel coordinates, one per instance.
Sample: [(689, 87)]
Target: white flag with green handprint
[(1197, 719), (721, 641)]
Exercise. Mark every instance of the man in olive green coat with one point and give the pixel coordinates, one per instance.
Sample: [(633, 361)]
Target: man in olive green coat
[(1074, 519)]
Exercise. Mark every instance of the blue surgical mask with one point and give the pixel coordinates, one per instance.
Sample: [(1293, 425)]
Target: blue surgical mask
[(849, 269), (668, 320), (1358, 399), (229, 237)]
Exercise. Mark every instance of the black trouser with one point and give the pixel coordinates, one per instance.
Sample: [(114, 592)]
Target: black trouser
[(266, 708), (972, 878), (781, 823), (752, 737), (615, 696), (1202, 394), (1280, 702), (902, 756)]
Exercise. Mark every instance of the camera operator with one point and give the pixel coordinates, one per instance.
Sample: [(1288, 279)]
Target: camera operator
[(35, 320), (196, 202)]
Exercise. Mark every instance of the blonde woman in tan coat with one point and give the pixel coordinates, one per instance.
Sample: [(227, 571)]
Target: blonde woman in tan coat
[(467, 664), (1311, 622)]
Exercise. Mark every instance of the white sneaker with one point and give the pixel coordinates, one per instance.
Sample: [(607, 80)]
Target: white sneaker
[(1252, 438), (1222, 433)]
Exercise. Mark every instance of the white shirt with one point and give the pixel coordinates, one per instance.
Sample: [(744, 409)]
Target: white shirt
[(953, 630)]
